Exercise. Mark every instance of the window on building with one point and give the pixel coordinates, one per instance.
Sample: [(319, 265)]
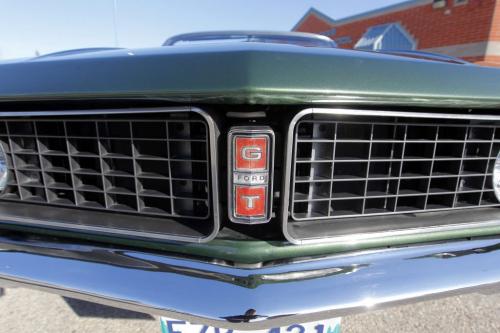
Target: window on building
[(343, 40), (439, 3), (390, 36), (329, 33), (460, 2)]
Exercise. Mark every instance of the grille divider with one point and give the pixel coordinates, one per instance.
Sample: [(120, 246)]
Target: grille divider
[(460, 169), (458, 159), (365, 192), (101, 165), (401, 168), (72, 174), (483, 188), (333, 170), (436, 138), (42, 167), (134, 165), (13, 158), (311, 191), (292, 192), (169, 164), (389, 172)]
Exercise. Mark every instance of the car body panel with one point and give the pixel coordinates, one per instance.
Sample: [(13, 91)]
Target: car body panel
[(251, 73), (254, 253)]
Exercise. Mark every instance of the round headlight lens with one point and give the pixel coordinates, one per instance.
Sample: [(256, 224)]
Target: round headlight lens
[(496, 177), (4, 171)]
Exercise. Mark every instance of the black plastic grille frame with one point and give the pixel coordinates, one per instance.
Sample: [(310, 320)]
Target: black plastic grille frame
[(143, 166), (350, 168)]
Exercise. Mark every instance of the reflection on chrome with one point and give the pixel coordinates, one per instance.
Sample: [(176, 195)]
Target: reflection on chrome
[(308, 290)]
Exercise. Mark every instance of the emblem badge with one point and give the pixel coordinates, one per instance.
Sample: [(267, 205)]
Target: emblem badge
[(250, 174)]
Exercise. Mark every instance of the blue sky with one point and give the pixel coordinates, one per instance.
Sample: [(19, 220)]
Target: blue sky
[(27, 26)]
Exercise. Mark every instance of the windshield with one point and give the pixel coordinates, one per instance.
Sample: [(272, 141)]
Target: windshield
[(307, 40)]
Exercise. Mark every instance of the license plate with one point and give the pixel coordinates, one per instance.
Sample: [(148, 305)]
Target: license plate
[(169, 325)]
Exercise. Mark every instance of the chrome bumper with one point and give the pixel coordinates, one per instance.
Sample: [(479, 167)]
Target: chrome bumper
[(243, 298)]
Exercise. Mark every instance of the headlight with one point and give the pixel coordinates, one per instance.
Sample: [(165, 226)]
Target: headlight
[(4, 171), (496, 177)]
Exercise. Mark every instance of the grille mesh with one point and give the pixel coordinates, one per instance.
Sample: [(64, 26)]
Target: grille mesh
[(142, 166), (350, 168)]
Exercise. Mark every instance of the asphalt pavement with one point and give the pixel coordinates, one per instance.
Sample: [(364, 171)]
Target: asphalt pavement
[(23, 310)]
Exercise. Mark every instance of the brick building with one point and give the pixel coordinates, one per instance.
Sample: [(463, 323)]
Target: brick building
[(469, 29)]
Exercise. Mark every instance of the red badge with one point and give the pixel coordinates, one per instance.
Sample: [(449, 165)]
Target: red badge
[(250, 174), (250, 201), (251, 153)]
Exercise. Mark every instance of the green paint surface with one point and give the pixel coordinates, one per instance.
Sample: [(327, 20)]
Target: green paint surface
[(255, 252), (251, 73)]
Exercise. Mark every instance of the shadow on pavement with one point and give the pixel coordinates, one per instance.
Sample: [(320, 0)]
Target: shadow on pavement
[(89, 309)]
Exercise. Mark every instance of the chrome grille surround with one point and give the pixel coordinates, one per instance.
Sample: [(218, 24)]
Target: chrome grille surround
[(141, 163), (342, 164)]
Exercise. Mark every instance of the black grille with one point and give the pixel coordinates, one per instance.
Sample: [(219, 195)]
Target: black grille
[(154, 167), (361, 168)]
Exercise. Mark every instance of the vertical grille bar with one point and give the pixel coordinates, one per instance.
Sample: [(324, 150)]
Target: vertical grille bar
[(72, 175), (169, 168), (333, 172), (365, 192), (401, 167), (135, 166), (12, 167), (492, 153), (455, 195), (101, 164), (432, 165)]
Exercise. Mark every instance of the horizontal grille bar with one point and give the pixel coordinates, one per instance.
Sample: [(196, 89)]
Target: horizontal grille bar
[(151, 166), (362, 168)]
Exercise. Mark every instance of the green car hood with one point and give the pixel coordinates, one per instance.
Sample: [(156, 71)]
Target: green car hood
[(250, 73)]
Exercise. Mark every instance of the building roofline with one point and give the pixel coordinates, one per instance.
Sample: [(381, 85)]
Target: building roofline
[(383, 10), (317, 13)]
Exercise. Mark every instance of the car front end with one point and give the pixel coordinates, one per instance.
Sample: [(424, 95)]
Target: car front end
[(249, 186)]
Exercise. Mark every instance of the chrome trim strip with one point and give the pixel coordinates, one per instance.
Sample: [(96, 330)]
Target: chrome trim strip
[(94, 112), (278, 295), (287, 174), (213, 134)]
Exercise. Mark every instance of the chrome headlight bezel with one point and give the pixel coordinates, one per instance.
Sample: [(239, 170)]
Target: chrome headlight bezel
[(4, 171), (496, 177)]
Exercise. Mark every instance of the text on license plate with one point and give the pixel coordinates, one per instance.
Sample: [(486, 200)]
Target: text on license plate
[(180, 326)]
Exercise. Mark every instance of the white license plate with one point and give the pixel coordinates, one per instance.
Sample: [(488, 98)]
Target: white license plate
[(169, 325)]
